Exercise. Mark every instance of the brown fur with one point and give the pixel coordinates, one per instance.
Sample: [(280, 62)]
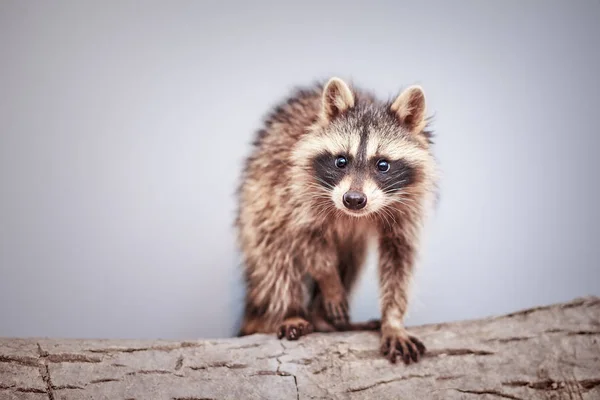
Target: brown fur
[(292, 231)]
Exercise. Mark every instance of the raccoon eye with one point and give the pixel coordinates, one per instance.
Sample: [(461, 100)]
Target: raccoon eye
[(341, 162), (383, 166)]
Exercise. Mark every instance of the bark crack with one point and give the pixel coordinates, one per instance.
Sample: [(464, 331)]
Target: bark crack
[(45, 372), (385, 382), (550, 384), (548, 331), (72, 358), (179, 363), (20, 360), (490, 392), (573, 304), (448, 377), (29, 390), (6, 387), (150, 372), (193, 398), (585, 333), (220, 364), (458, 352), (63, 387), (166, 348), (103, 380), (246, 346), (14, 388), (271, 356), (278, 373), (510, 339), (320, 370), (283, 373)]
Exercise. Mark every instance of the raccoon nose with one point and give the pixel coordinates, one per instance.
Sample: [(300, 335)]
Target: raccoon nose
[(354, 200)]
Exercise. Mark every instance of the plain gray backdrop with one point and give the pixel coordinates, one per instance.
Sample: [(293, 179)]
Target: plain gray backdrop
[(124, 124)]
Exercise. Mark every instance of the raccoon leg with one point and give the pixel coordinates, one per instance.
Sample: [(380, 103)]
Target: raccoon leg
[(334, 302), (396, 258), (319, 257), (321, 322), (274, 299), (318, 315), (351, 260), (329, 297)]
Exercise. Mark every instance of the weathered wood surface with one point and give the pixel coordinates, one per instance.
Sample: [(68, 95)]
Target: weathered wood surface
[(543, 353)]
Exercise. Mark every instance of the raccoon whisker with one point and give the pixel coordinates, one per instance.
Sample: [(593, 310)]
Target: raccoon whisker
[(409, 203), (406, 206), (390, 188), (324, 187), (318, 202), (318, 199), (404, 199), (396, 191), (330, 186), (401, 199), (315, 196), (393, 215), (395, 183), (317, 193), (323, 209), (383, 216), (389, 215), (386, 216), (400, 210), (403, 190), (402, 194), (320, 192), (405, 203), (324, 183), (319, 188), (319, 206), (397, 194)]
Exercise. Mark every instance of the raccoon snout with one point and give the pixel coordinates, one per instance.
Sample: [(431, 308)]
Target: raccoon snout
[(354, 200)]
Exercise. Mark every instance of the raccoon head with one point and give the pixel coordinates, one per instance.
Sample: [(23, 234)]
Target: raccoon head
[(363, 156)]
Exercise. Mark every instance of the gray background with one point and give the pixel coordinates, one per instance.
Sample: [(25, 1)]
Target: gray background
[(124, 124)]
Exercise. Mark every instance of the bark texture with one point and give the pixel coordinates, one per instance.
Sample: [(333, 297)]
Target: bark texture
[(548, 352)]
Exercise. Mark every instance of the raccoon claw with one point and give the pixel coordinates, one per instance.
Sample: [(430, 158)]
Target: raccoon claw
[(293, 328), (337, 313), (401, 345)]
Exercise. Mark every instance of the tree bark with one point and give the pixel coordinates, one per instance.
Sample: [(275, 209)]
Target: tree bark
[(547, 352)]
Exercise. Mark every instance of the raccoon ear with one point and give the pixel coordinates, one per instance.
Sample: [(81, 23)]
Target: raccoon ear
[(337, 98), (410, 108)]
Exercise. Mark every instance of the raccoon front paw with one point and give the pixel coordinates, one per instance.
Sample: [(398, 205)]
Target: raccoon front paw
[(398, 343), (293, 328), (337, 312)]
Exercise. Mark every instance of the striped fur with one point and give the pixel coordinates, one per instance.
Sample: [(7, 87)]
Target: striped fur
[(303, 246)]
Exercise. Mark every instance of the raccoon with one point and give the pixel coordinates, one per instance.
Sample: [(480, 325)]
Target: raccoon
[(332, 169)]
